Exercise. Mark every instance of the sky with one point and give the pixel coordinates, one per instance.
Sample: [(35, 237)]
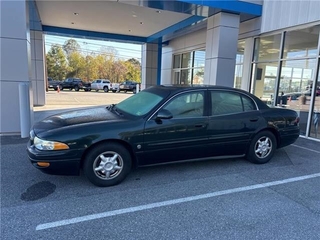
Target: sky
[(125, 51)]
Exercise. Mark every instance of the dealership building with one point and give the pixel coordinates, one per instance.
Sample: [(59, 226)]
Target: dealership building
[(269, 48)]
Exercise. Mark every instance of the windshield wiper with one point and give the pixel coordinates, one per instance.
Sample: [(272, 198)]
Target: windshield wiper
[(112, 107)]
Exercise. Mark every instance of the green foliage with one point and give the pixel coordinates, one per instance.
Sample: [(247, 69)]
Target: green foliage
[(57, 66), (68, 61)]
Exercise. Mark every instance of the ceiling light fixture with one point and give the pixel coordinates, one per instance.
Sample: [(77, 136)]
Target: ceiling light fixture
[(134, 15), (76, 13), (141, 23), (158, 11), (72, 22)]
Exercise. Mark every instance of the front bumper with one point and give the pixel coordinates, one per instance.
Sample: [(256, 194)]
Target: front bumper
[(63, 162)]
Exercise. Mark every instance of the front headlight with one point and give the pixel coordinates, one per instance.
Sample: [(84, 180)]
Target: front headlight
[(49, 145)]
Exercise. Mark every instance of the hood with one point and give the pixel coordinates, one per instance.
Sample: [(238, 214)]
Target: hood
[(76, 117)]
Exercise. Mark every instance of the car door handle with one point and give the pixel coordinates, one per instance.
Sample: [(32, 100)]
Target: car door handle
[(254, 119), (200, 125)]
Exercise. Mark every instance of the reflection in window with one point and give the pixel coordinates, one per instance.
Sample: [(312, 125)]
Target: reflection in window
[(239, 64), (315, 119), (267, 48), (265, 80), (187, 105), (301, 43), (230, 103), (187, 60), (188, 68), (296, 75)]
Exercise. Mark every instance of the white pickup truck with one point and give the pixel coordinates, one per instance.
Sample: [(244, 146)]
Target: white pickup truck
[(101, 84)]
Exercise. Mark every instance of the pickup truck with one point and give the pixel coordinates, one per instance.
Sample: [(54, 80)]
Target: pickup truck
[(74, 83), (101, 84), (127, 86)]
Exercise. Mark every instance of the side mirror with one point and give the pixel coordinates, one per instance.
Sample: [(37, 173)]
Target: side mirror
[(164, 114)]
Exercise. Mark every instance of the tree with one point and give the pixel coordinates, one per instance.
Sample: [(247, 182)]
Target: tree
[(57, 66), (133, 70), (77, 64), (70, 46), (134, 62)]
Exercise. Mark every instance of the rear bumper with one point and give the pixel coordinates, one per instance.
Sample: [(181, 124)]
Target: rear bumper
[(288, 137)]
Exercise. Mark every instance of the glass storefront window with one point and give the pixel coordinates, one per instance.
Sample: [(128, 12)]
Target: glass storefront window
[(239, 64), (198, 76), (267, 48), (296, 75), (240, 52), (199, 58), (186, 60), (176, 61), (238, 76), (189, 67), (315, 119), (265, 81), (185, 76), (301, 43)]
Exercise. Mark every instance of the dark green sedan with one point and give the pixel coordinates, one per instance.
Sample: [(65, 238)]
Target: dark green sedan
[(158, 125)]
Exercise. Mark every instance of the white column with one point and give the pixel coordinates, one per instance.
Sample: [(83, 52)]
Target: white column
[(38, 77), (247, 64), (221, 49), (15, 62), (149, 63)]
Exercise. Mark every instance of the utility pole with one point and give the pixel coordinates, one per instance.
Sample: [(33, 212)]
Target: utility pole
[(85, 43)]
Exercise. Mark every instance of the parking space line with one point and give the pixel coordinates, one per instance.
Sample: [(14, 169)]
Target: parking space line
[(170, 202), (305, 148)]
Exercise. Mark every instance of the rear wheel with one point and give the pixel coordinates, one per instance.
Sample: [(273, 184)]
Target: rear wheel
[(107, 164), (262, 147), (76, 88)]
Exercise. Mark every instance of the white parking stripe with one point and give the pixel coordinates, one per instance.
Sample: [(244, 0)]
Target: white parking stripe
[(305, 148), (170, 202)]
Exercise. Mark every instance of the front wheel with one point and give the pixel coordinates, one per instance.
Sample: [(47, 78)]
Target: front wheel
[(262, 147), (107, 164), (106, 89)]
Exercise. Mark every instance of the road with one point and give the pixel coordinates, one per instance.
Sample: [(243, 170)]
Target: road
[(217, 199)]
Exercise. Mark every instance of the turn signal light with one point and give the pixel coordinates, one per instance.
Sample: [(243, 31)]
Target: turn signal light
[(43, 164)]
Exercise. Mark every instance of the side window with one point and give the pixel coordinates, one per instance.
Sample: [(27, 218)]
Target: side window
[(248, 104), (225, 103), (98, 81), (187, 105)]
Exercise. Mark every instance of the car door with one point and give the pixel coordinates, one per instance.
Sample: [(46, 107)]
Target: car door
[(94, 85), (233, 120), (183, 136)]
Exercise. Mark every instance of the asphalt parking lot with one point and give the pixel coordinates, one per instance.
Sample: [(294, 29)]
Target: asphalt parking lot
[(217, 199)]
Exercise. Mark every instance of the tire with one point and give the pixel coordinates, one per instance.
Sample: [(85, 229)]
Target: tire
[(97, 90), (262, 147), (76, 88), (117, 169), (125, 91), (106, 89), (114, 91)]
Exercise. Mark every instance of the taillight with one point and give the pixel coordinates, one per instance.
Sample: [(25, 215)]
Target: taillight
[(294, 121)]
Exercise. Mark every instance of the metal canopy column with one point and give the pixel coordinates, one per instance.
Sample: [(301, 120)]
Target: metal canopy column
[(221, 49), (15, 63)]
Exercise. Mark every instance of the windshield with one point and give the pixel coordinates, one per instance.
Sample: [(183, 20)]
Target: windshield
[(139, 104)]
